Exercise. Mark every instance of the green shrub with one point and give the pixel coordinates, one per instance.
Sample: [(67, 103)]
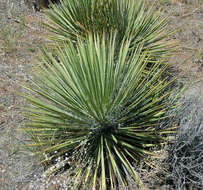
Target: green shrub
[(97, 116), (72, 19)]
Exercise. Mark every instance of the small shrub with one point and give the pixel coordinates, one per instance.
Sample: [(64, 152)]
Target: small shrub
[(96, 117), (9, 35), (187, 152)]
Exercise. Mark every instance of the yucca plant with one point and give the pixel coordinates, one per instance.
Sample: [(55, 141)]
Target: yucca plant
[(97, 116), (79, 18)]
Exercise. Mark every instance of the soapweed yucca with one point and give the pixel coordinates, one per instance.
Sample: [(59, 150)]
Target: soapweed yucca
[(101, 114), (72, 19)]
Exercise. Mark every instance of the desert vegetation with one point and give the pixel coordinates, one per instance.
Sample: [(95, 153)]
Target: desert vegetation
[(103, 105), (71, 20)]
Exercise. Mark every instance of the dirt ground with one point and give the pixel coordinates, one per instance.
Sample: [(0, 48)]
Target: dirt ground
[(17, 168)]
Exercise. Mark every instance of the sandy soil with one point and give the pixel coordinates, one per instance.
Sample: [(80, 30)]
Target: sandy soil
[(17, 168)]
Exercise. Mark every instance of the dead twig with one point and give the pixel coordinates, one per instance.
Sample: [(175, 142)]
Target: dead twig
[(191, 13)]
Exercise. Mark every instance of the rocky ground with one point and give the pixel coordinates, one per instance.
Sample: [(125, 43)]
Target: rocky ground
[(19, 42)]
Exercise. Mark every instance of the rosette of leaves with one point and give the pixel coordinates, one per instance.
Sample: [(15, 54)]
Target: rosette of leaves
[(97, 116), (72, 19)]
